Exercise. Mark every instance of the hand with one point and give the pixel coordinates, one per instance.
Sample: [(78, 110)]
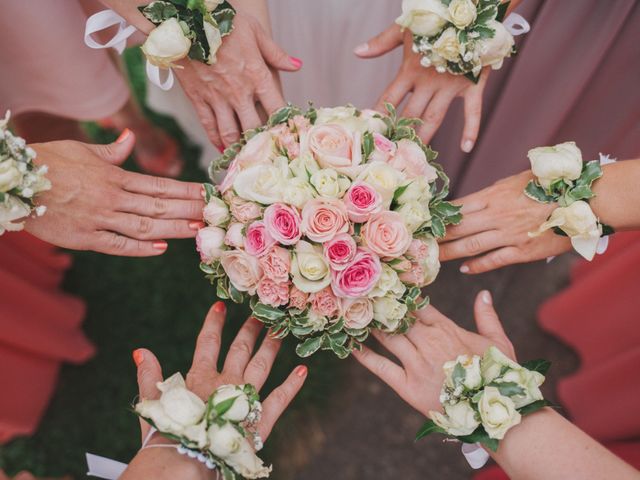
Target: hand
[(432, 341), (225, 94), (95, 205), (431, 92), (495, 226)]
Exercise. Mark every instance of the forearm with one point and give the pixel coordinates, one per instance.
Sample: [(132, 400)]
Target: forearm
[(546, 446), (165, 464), (617, 200), (256, 8)]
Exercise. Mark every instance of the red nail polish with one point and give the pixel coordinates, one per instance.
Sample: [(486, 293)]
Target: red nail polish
[(220, 149), (123, 136), (138, 357), (296, 62), (300, 370), (219, 307), (196, 225), (161, 245)]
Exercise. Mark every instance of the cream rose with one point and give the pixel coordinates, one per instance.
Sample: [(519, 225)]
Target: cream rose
[(389, 283), (497, 412), (388, 311), (240, 408), (259, 150), (459, 419), (243, 270), (304, 166), (471, 367), (166, 44), (423, 17), (462, 13), (447, 45), (414, 214), (316, 321), (309, 268), (227, 443), (562, 161), (214, 39), (417, 190), (492, 363), (492, 51), (210, 243), (10, 175), (261, 183), (383, 178), (328, 183), (298, 192), (216, 212), (527, 380), (357, 312)]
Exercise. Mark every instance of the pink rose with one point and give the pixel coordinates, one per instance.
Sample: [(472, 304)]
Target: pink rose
[(324, 218), (229, 178), (357, 312), (283, 223), (243, 270), (300, 124), (258, 240), (260, 149), (415, 276), (210, 243), (361, 201), (340, 251), (325, 303), (276, 264), (273, 293), (383, 150), (386, 234), (242, 210), (359, 277), (418, 250), (298, 298), (411, 159), (331, 145), (286, 140), (234, 236)]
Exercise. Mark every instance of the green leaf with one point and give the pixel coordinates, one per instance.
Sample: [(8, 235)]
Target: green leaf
[(428, 428), (206, 268), (508, 389), (458, 374), (367, 145), (479, 435), (197, 52), (336, 327), (437, 227), (423, 303), (540, 366), (340, 351), (159, 11), (223, 407), (227, 473), (339, 338), (235, 295), (484, 32), (267, 312), (580, 192), (488, 13), (209, 192), (502, 11), (607, 230), (309, 346), (537, 193), (534, 406), (222, 289), (224, 18), (591, 171)]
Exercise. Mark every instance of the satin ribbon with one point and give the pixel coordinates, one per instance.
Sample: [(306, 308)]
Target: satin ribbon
[(516, 24), (475, 455), (108, 18), (102, 467)]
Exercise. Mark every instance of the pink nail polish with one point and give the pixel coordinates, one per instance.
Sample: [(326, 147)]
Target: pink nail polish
[(300, 370), (123, 136), (138, 357), (196, 225), (296, 62), (160, 245), (219, 307)]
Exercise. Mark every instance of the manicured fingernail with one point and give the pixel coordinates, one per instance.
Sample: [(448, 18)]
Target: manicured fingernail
[(123, 136), (138, 357), (161, 245), (220, 148), (361, 49), (196, 225), (300, 371), (486, 297), (464, 269), (467, 146), (203, 192), (219, 307), (296, 62)]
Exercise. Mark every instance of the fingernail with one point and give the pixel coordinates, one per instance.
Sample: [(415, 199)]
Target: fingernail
[(196, 225), (467, 146), (203, 192), (220, 148), (464, 269), (161, 245), (296, 62), (123, 136), (138, 357), (300, 371), (219, 307), (361, 49), (486, 297)]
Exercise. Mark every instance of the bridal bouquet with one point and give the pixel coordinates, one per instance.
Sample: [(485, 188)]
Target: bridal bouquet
[(327, 221)]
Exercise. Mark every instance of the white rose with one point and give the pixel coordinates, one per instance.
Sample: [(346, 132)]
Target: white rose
[(414, 215), (12, 209), (462, 13), (214, 39), (166, 44), (447, 45), (357, 312), (177, 410), (529, 381), (309, 268), (423, 17), (382, 177), (328, 183), (492, 51), (418, 190), (210, 242), (552, 163), (234, 236), (497, 412), (343, 116), (388, 311), (316, 321), (260, 183), (297, 192), (233, 448), (431, 264), (492, 363), (10, 175), (260, 149), (304, 166), (240, 408), (472, 378), (459, 418), (389, 283), (216, 212), (373, 122)]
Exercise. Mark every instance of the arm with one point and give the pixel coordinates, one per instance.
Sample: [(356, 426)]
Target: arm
[(617, 200)]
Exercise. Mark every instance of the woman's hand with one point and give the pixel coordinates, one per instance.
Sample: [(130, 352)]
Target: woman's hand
[(95, 205), (495, 226), (225, 94), (431, 92), (432, 341)]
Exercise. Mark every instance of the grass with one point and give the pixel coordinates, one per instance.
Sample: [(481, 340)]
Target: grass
[(158, 303)]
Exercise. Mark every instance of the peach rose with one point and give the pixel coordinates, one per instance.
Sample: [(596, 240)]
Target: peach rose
[(386, 234), (334, 147), (325, 303), (324, 218), (411, 159), (357, 312), (242, 210), (276, 264), (298, 298), (260, 149), (234, 236), (273, 293), (286, 140), (210, 243), (243, 270)]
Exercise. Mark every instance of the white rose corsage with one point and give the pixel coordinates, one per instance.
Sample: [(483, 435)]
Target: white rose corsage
[(461, 36), (484, 397), (563, 178), (20, 180), (220, 433), (192, 28)]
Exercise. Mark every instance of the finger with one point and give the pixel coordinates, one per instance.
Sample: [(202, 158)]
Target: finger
[(472, 245), (22, 476), (116, 152), (247, 113), (492, 261), (380, 44), (472, 203), (205, 355), (472, 116), (260, 365), (276, 403), (149, 373), (160, 207), (209, 122), (270, 95), (399, 345), (146, 228), (389, 372), (160, 186), (417, 103), (274, 54), (242, 347), (430, 316), (395, 93), (433, 116), (111, 243), (227, 123), (417, 334), (471, 224), (487, 319)]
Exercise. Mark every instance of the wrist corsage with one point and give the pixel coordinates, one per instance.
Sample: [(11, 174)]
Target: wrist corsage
[(563, 178), (220, 433), (461, 36), (20, 180), (192, 28), (484, 397)]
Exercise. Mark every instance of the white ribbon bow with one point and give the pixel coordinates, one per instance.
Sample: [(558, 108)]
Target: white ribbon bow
[(475, 455), (516, 24)]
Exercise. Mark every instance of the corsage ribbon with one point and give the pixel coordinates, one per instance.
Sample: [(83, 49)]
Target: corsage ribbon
[(476, 456), (516, 24)]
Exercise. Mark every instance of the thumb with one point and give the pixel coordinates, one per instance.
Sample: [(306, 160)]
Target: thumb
[(380, 44), (149, 374), (487, 319), (118, 151), (274, 55)]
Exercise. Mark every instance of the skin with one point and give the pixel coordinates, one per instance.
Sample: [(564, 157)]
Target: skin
[(434, 339), (96, 205), (494, 229), (240, 366)]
